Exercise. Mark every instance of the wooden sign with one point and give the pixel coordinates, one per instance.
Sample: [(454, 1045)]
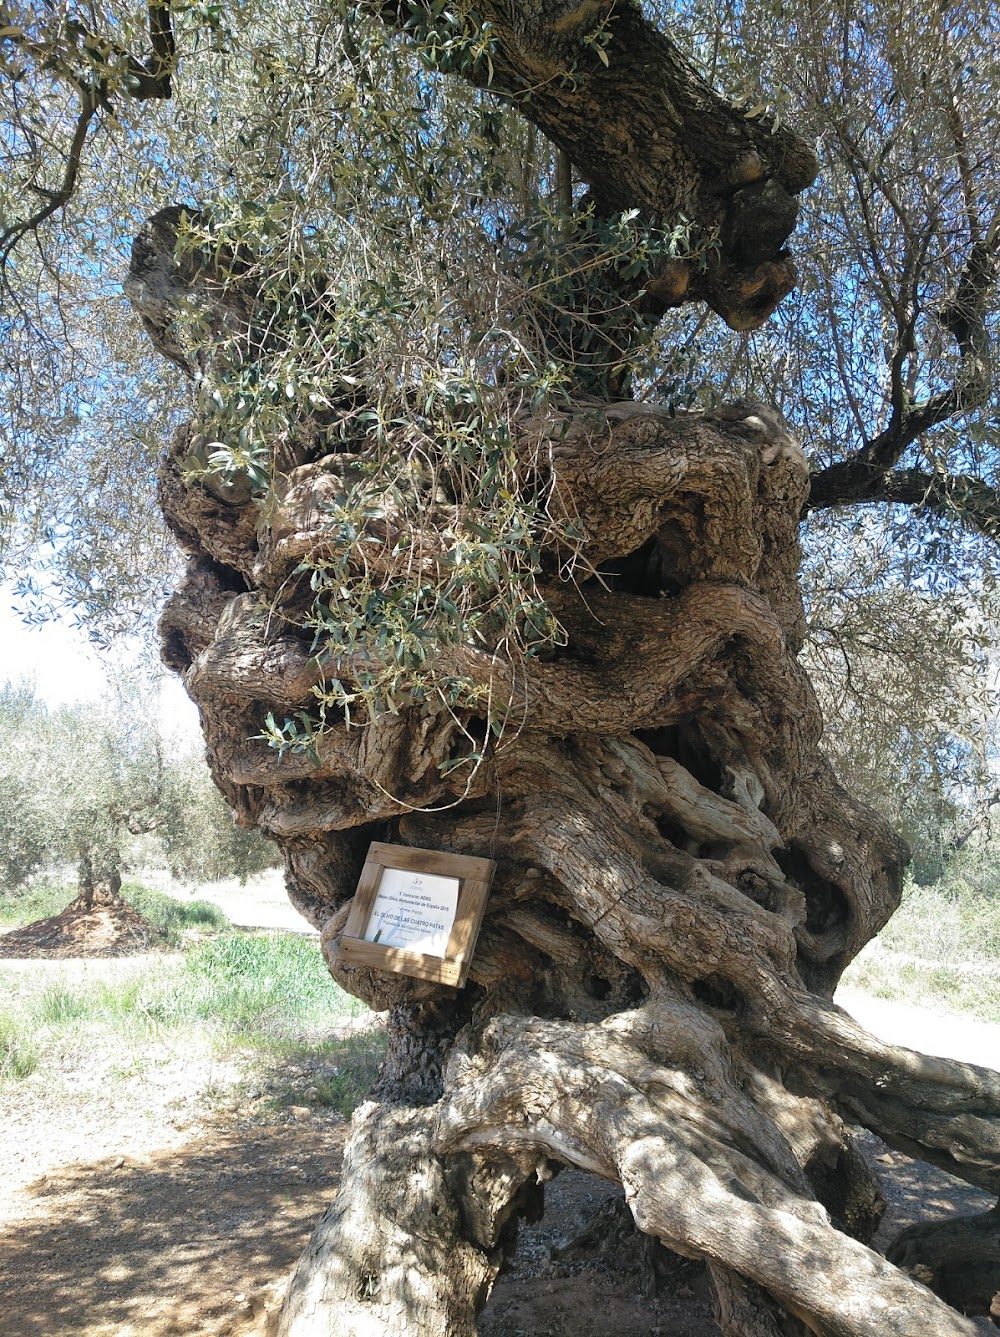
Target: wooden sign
[(417, 912)]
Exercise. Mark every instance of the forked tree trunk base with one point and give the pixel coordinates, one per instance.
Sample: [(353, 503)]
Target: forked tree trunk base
[(393, 1253)]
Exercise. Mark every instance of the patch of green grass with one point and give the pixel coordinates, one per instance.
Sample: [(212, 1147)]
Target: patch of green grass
[(268, 990), (343, 1077), (41, 900), (60, 1004), (18, 1054), (939, 950), (131, 1006), (174, 919), (266, 987)]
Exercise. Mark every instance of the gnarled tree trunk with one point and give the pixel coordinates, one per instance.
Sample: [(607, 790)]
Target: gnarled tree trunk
[(681, 880)]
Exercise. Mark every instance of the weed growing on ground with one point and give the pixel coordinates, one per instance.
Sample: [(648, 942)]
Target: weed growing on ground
[(60, 1004), (267, 991), (172, 919), (940, 949), (18, 1055), (40, 900), (342, 1072)]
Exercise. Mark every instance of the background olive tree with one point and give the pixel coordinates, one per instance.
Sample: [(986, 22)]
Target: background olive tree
[(98, 788)]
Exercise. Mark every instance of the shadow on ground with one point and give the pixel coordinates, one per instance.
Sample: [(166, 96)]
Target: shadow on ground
[(915, 1191), (198, 1242), (195, 1241)]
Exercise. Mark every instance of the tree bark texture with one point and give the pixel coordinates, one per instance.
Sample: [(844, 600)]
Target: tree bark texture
[(680, 881)]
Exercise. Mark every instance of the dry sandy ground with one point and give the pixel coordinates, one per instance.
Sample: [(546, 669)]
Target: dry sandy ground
[(148, 1187), (163, 1191)]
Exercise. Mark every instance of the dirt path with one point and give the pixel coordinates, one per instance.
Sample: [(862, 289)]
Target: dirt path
[(260, 902), (149, 1186), (195, 1239), (948, 1036)]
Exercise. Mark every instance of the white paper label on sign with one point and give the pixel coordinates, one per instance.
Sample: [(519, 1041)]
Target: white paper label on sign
[(413, 911)]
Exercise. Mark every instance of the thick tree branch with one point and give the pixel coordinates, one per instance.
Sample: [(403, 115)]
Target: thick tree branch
[(972, 500), (869, 474), (644, 129), (98, 69), (54, 199)]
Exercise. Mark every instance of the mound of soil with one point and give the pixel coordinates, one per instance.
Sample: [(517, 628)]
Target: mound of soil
[(98, 924)]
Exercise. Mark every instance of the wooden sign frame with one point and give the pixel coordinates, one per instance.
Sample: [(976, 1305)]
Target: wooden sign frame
[(474, 878)]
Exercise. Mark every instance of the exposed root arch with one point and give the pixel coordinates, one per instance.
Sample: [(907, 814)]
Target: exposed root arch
[(590, 1099), (521, 1092)]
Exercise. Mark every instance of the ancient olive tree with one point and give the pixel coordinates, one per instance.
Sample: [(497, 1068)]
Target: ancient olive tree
[(476, 563)]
